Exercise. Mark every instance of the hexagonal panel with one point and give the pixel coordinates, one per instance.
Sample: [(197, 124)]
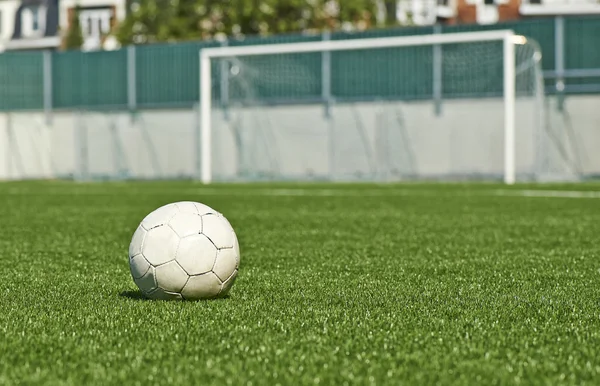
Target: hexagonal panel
[(227, 221), (146, 283), (204, 209), (236, 247), (160, 216), (196, 254), (135, 247), (171, 277), (138, 266), (186, 224), (187, 207), (229, 283), (203, 286), (160, 245), (161, 294), (225, 264), (217, 230), (236, 244)]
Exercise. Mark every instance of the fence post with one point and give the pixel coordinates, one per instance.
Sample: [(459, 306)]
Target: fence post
[(437, 73), (47, 85), (326, 76), (81, 148), (559, 59), (131, 79), (224, 83), (326, 96)]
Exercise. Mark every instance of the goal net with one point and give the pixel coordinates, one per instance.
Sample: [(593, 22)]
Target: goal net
[(443, 107)]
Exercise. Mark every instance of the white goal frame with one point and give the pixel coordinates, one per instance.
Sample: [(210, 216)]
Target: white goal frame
[(508, 37)]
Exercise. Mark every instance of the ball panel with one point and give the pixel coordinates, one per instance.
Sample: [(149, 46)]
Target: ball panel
[(138, 266), (147, 283), (203, 286), (228, 283), (217, 230), (236, 244), (171, 277), (160, 245), (135, 247), (236, 247), (226, 221), (186, 207), (160, 216), (204, 209), (161, 294), (225, 264), (186, 224), (196, 254)]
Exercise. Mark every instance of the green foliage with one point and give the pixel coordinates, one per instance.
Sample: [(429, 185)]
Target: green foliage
[(74, 37), (176, 20)]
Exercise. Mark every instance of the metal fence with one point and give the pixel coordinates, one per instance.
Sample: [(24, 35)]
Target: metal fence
[(166, 76)]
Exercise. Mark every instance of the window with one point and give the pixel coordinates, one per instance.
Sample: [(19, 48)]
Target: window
[(95, 22), (35, 21), (488, 2), (32, 21)]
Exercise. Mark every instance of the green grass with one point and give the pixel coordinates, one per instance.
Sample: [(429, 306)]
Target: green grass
[(339, 284)]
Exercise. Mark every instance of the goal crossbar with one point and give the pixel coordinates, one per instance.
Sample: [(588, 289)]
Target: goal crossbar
[(508, 37)]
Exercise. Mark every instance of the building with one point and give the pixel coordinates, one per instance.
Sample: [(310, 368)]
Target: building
[(41, 24), (428, 12)]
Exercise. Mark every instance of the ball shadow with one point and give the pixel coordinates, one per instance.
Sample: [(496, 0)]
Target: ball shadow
[(139, 296), (134, 295)]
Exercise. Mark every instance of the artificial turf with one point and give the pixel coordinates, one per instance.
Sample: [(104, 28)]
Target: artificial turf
[(339, 284)]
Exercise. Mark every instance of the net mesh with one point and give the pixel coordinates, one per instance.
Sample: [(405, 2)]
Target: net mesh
[(414, 112), (421, 112)]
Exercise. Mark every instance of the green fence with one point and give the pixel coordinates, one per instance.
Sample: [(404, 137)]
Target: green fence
[(168, 76)]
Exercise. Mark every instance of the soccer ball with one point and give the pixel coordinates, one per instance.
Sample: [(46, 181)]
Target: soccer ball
[(184, 250)]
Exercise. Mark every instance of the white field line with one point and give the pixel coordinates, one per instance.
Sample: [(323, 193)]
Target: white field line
[(400, 192), (316, 192), (548, 193)]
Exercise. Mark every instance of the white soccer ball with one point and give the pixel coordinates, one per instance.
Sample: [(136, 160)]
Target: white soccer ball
[(184, 250)]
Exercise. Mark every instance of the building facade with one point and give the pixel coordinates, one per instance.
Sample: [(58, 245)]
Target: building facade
[(41, 24), (428, 12)]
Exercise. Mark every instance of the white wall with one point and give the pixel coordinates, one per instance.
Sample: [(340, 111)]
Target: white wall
[(8, 10), (404, 138)]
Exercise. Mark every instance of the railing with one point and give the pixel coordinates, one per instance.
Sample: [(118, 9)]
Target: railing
[(167, 76)]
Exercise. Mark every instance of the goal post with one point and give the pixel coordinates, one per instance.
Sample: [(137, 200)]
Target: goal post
[(506, 38)]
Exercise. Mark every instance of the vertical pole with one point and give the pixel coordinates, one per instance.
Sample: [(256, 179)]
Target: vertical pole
[(131, 79), (203, 164), (224, 86), (81, 148), (509, 109), (47, 80), (437, 73), (326, 97), (9, 147), (559, 58), (131, 105), (326, 75)]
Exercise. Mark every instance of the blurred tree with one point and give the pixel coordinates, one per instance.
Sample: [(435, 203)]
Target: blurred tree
[(74, 37), (175, 20)]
